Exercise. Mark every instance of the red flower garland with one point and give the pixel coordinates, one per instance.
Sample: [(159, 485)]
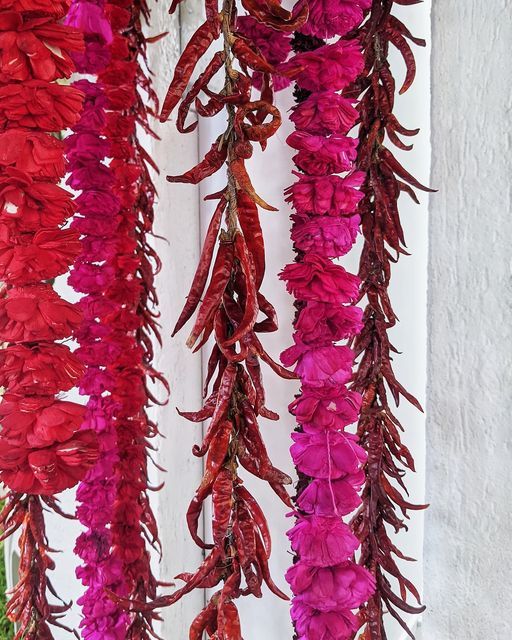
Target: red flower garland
[(42, 450)]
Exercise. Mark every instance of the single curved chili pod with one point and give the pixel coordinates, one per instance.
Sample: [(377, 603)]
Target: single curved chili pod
[(248, 57), (239, 172), (203, 268), (216, 63), (200, 622), (211, 163), (251, 300), (229, 623), (220, 277), (200, 42), (258, 132), (271, 13), (251, 228), (222, 504), (263, 564)]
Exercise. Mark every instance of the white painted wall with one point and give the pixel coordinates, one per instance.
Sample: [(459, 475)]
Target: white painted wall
[(467, 551)]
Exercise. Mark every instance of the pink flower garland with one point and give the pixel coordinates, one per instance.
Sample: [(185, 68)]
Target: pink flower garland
[(326, 582), (98, 222)]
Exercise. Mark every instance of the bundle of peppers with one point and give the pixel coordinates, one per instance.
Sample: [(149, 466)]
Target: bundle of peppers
[(326, 581), (384, 505), (43, 450), (233, 310)]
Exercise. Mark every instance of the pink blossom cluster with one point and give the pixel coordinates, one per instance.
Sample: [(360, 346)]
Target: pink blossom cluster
[(97, 222), (328, 585)]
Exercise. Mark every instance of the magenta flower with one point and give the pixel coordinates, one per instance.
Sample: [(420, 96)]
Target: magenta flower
[(323, 497), (344, 586), (319, 366), (326, 408), (328, 18), (312, 624), (317, 278), (320, 323), (324, 113), (326, 195), (322, 542), (320, 156), (331, 67), (326, 454), (327, 236)]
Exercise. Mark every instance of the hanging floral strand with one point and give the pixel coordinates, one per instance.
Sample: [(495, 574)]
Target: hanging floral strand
[(229, 306), (326, 582), (42, 449), (130, 295), (97, 222), (379, 429)]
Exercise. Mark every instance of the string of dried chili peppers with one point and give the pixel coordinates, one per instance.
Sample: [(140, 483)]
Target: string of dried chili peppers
[(379, 428), (93, 274), (130, 319), (229, 305), (42, 449), (326, 581)]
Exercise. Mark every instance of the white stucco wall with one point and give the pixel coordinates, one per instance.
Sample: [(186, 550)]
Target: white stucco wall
[(467, 546)]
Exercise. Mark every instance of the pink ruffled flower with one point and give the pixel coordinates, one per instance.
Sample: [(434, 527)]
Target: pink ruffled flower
[(327, 454), (322, 542), (329, 68), (345, 586), (327, 236), (324, 113), (322, 323), (326, 497), (89, 19), (321, 156), (326, 408), (319, 366), (326, 195), (312, 624), (317, 278), (328, 18)]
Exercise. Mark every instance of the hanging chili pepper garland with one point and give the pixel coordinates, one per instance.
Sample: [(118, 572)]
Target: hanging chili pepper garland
[(229, 309), (42, 449), (326, 582), (379, 429)]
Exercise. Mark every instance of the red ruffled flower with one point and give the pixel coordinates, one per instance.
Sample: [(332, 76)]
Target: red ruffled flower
[(50, 470), (29, 205), (28, 258), (36, 48), (39, 105), (43, 369), (38, 421), (55, 8), (36, 153), (37, 313)]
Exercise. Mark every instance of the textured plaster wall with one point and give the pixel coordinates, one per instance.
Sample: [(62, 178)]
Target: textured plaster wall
[(467, 545)]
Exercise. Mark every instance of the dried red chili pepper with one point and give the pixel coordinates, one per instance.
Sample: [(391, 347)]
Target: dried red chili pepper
[(378, 427)]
